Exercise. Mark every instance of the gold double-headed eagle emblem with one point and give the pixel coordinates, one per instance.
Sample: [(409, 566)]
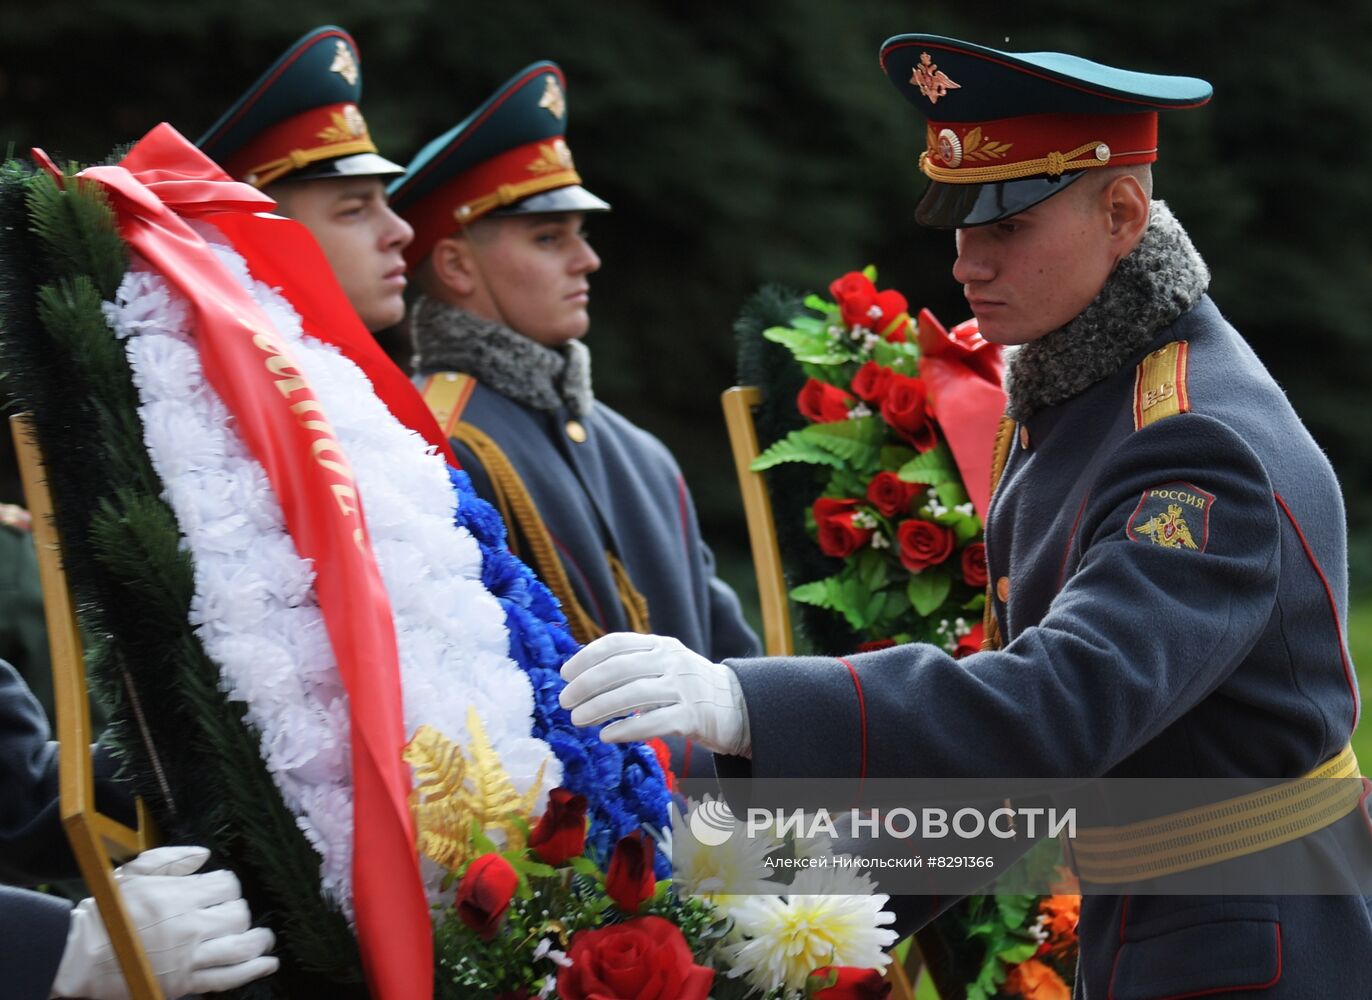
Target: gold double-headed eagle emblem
[(1169, 530)]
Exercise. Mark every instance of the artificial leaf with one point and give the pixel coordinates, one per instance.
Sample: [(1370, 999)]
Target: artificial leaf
[(857, 442), (457, 795), (933, 467), (795, 447), (928, 590), (821, 593)]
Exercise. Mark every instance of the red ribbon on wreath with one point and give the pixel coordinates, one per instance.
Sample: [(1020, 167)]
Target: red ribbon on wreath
[(963, 372)]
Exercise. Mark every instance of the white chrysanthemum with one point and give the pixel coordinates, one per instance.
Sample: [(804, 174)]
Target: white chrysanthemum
[(254, 606), (830, 917), (738, 866)]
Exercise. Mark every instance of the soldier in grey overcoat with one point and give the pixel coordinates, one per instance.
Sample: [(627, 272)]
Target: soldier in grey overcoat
[(1166, 549), (596, 505)]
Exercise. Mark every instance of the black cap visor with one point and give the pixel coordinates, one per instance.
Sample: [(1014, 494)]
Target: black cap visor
[(957, 206), (573, 198), (357, 165)]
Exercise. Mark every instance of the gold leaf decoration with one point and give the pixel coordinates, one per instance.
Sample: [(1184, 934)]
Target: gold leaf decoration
[(971, 141), (346, 127), (453, 788), (552, 157), (991, 150)]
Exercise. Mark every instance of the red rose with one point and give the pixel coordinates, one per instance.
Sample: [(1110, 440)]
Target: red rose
[(872, 645), (890, 494), (485, 894), (561, 830), (822, 403), (631, 880), (642, 959), (855, 295), (871, 380), (849, 984), (905, 406), (838, 536), (923, 544), (895, 315), (974, 564), (969, 643)]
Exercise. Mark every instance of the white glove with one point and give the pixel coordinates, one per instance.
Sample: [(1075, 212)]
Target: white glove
[(677, 691), (195, 929)]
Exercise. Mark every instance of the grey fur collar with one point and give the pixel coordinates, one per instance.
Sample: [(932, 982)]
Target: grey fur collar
[(1161, 279), (447, 338)]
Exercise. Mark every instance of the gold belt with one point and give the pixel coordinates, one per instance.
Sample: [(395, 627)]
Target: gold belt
[(1194, 838)]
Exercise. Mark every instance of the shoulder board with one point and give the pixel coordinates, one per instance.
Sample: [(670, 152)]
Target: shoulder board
[(446, 395), (1160, 385), (16, 517)]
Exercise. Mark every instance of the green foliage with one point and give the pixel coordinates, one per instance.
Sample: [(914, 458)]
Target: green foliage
[(78, 233), (852, 443), (934, 467)]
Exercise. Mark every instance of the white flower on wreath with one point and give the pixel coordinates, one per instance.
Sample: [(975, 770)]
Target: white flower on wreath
[(736, 867), (831, 916)]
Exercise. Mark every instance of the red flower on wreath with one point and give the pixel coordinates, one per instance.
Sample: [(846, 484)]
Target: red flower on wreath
[(890, 494), (849, 984), (822, 403), (485, 894), (860, 304), (974, 564), (838, 535), (969, 643), (923, 544), (870, 382), (642, 959), (561, 830), (905, 406), (631, 880)]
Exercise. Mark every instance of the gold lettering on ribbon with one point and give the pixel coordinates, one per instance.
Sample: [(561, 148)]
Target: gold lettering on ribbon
[(288, 380), (346, 497)]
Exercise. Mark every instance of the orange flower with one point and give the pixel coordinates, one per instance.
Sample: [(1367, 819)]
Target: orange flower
[(1035, 981), (1061, 913)]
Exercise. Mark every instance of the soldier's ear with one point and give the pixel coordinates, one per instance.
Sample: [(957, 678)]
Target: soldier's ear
[(1128, 205), (454, 265)]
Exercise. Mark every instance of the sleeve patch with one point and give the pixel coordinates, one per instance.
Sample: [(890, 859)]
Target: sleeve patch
[(1174, 515)]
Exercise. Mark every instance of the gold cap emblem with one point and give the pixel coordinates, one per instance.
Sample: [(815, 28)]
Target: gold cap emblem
[(343, 62), (932, 82), (553, 100)]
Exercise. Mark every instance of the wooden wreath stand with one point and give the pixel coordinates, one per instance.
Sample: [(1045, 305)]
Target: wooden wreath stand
[(96, 840)]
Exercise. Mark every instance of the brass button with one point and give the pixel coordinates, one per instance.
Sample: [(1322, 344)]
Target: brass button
[(1003, 589), (1024, 437), (576, 432)]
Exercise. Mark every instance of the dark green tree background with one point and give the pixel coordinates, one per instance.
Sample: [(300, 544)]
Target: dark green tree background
[(756, 142)]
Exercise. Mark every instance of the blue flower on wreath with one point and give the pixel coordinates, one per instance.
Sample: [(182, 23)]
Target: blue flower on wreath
[(623, 783)]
